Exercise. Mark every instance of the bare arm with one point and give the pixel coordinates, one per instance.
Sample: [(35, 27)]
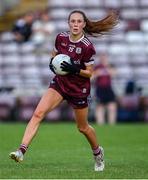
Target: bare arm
[(87, 72), (53, 53), (112, 71)]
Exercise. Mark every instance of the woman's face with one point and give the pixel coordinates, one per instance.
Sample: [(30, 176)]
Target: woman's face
[(76, 23)]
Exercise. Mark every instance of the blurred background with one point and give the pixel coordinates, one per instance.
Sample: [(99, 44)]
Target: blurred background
[(27, 32)]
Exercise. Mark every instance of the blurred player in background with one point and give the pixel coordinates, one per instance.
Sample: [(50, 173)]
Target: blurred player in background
[(22, 28), (42, 29), (74, 87), (105, 96)]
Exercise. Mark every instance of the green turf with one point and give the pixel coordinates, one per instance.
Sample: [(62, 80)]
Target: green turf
[(60, 151)]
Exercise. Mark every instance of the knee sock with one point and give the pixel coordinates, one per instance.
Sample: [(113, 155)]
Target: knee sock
[(96, 151), (23, 148)]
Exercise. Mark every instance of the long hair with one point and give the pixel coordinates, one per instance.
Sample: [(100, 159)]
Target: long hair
[(101, 27)]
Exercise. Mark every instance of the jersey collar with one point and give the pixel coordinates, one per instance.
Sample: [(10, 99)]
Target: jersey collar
[(77, 40)]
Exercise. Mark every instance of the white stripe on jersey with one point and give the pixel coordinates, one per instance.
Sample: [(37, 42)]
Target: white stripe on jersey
[(89, 63), (86, 41), (65, 34)]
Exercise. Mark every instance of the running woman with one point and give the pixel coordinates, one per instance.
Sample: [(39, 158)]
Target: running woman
[(75, 86)]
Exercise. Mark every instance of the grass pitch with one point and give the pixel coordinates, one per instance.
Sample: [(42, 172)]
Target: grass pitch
[(59, 151)]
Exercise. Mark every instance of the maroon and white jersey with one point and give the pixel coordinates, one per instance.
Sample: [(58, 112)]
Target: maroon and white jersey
[(81, 53), (104, 79)]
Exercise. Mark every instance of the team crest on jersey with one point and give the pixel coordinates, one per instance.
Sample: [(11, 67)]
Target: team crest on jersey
[(78, 50)]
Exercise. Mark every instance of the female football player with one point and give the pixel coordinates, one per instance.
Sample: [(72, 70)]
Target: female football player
[(105, 95), (75, 86)]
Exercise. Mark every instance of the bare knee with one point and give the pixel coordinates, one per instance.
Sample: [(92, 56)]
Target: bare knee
[(39, 115), (84, 130)]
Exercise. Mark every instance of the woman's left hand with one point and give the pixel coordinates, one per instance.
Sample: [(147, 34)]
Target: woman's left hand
[(71, 68)]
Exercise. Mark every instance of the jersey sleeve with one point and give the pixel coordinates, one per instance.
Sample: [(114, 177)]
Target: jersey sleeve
[(89, 55), (56, 48)]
